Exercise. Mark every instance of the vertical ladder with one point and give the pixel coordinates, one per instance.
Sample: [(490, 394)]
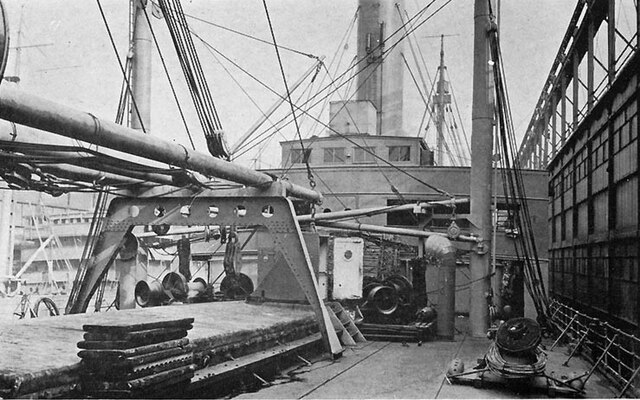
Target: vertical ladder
[(346, 329)]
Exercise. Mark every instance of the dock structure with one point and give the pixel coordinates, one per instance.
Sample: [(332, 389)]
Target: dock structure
[(40, 356)]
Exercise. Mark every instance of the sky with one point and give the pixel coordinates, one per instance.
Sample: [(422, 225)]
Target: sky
[(68, 57)]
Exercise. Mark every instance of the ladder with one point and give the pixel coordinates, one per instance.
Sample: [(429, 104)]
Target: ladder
[(346, 329)]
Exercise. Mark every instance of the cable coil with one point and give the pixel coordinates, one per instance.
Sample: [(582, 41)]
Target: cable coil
[(516, 367)]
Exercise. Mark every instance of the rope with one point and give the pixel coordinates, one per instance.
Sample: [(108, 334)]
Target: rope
[(512, 370)]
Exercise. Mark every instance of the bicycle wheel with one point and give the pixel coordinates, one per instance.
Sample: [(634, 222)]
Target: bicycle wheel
[(52, 309)]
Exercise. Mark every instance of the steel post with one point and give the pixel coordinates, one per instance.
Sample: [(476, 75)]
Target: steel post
[(481, 163)]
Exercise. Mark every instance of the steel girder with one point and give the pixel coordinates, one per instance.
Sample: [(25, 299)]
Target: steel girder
[(274, 213)]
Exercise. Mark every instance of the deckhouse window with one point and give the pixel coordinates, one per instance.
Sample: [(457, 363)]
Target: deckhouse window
[(364, 154), (298, 155), (399, 153), (334, 155)]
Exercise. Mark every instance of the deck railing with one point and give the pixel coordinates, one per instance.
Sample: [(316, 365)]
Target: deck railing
[(615, 353)]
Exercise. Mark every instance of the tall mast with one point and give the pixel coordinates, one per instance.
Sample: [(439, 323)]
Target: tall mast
[(141, 121), (141, 69), (441, 100), (481, 182)]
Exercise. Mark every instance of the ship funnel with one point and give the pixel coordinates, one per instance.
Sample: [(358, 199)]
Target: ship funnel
[(380, 65)]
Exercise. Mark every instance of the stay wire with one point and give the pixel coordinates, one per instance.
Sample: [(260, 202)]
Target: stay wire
[(166, 71), (533, 280), (115, 49), (200, 73), (286, 85), (381, 45), (438, 190), (386, 52), (252, 37), (355, 64), (188, 72)]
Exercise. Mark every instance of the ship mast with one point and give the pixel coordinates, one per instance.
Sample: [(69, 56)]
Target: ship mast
[(141, 121), (481, 168), (442, 98), (141, 69)]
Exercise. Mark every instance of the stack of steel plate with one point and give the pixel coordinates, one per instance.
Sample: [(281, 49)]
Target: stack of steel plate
[(136, 360)]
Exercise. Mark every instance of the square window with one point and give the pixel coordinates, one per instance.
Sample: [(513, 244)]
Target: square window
[(364, 155), (399, 153), (334, 155), (298, 156)]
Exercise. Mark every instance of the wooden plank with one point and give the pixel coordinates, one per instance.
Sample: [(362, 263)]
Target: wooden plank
[(30, 347), (125, 326), (117, 360), (129, 344), (136, 351), (136, 336)]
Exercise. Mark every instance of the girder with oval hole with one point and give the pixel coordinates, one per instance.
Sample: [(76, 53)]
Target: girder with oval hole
[(274, 213)]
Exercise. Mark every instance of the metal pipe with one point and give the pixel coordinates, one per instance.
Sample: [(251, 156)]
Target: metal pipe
[(563, 332), (29, 110), (394, 231), (90, 175), (375, 210), (575, 349), (88, 167), (442, 248), (481, 157)]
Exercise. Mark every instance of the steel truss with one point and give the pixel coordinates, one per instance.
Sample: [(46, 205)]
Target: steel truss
[(579, 77)]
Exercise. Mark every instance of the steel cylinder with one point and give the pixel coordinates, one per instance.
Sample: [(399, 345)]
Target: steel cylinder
[(196, 288), (149, 294), (444, 251)]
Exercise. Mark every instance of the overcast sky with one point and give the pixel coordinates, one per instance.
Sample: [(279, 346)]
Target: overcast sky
[(76, 65)]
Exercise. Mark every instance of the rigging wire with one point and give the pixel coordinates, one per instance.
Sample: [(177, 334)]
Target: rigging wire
[(166, 71), (195, 78), (444, 193), (335, 60), (252, 37), (286, 85), (515, 193), (124, 74), (385, 52), (355, 64)]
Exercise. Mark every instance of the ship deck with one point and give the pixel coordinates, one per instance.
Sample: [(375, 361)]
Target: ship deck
[(42, 353), (386, 370)]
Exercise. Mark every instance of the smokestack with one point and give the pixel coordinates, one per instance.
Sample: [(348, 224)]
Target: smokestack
[(380, 66)]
